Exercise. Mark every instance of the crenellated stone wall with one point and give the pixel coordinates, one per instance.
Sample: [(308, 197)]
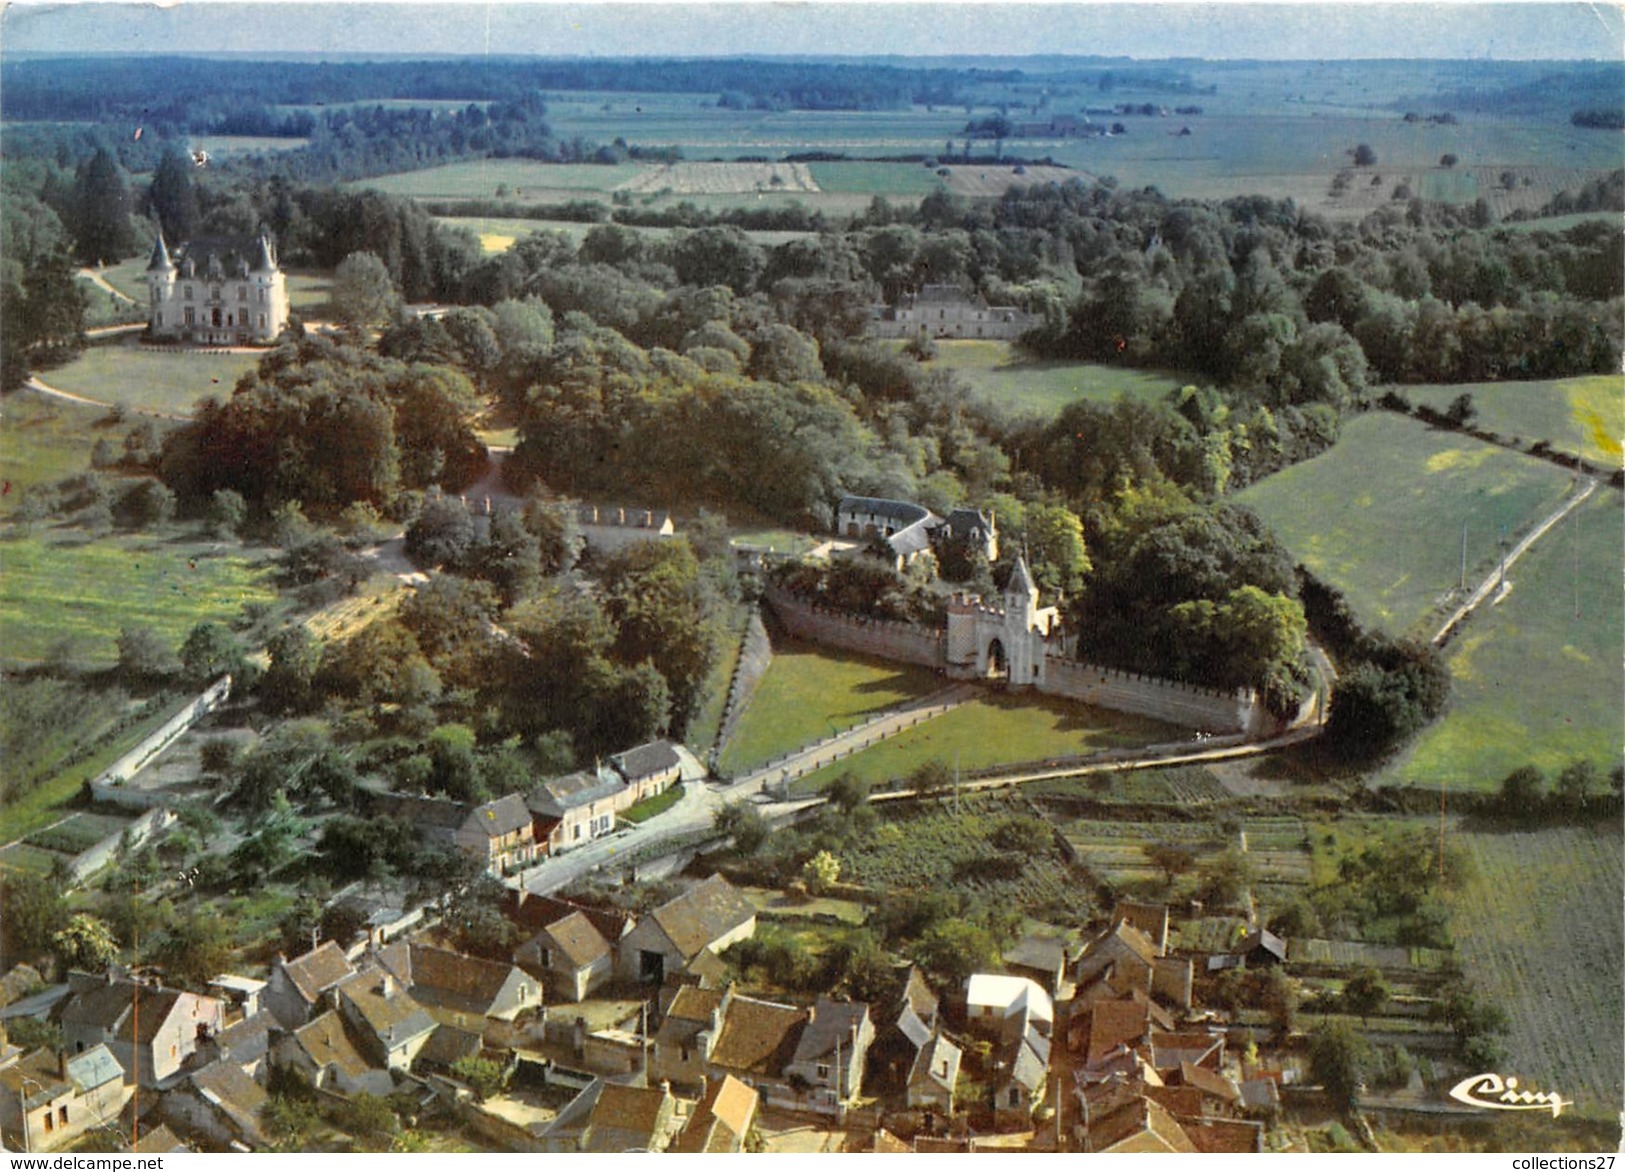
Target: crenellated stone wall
[(1188, 705)]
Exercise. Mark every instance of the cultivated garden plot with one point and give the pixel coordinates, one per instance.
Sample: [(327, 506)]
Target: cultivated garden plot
[(932, 845), (1381, 514), (720, 178), (1540, 927)]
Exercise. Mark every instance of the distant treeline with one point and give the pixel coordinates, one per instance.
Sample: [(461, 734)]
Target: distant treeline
[(1600, 119), (189, 91)]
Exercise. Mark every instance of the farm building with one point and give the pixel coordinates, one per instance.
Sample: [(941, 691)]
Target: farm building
[(218, 292), (947, 311)]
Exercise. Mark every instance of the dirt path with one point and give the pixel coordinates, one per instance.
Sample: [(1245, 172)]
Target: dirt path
[(100, 282), (1493, 580), (50, 392)]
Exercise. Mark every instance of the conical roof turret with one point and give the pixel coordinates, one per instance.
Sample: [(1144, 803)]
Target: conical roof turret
[(160, 262), (262, 256)]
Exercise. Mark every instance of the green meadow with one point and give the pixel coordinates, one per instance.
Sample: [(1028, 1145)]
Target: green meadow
[(994, 729), (808, 694), (43, 439), (1381, 514), (164, 382), (1538, 676), (1585, 413), (999, 374), (65, 585)]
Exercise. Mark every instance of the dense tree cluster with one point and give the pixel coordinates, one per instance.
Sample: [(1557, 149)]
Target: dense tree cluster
[(328, 425)]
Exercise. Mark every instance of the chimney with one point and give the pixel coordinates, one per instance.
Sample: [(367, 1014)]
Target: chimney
[(620, 516), (386, 985)]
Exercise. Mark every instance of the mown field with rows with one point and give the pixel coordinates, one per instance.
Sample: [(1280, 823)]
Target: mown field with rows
[(1541, 929), (1185, 785), (928, 845)]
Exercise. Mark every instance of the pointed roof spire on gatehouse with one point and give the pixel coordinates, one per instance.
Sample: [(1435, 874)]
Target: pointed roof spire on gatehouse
[(1021, 583)]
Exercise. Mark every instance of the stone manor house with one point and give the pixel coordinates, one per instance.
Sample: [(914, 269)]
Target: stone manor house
[(947, 311), (217, 292)]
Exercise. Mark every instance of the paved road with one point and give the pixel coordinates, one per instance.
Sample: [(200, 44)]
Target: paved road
[(683, 825), (1495, 576)]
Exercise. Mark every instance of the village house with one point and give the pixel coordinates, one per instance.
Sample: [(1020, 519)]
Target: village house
[(219, 1108), (572, 957), (608, 1117), (151, 1030), (48, 1100), (648, 770), (501, 834), (947, 311), (1041, 959), (611, 528), (325, 1054), (687, 1034), (756, 1043), (1021, 1069), (459, 990), (831, 1053), (721, 1121), (296, 988), (219, 292), (931, 1080), (710, 915), (1002, 1007), (577, 808), (909, 1024), (390, 1026)]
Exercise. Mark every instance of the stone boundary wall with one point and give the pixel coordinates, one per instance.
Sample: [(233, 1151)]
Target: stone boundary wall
[(109, 786), (1184, 704), (1177, 703), (89, 861), (904, 642), (755, 657)]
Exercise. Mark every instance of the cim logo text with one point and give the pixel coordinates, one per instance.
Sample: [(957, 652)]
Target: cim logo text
[(1492, 1093)]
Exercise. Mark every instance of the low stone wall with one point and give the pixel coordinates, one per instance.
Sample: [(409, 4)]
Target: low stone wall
[(1176, 703), (109, 787), (755, 657), (89, 861), (903, 642)]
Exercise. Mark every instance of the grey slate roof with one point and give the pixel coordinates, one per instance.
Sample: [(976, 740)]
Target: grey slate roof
[(496, 818), (95, 1067), (833, 1022), (903, 512), (646, 760), (560, 794)]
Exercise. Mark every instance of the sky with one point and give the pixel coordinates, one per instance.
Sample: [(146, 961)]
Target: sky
[(1313, 31)]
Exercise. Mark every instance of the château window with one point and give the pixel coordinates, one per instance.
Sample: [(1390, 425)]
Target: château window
[(189, 292), (264, 296), (214, 293), (191, 316), (242, 292)]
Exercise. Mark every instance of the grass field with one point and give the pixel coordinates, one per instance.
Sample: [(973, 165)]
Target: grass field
[(1380, 515), (1588, 413), (46, 439), (993, 729), (498, 234), (1537, 680), (65, 585), (807, 694), (1539, 929), (163, 382), (523, 179), (226, 145), (1000, 374)]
